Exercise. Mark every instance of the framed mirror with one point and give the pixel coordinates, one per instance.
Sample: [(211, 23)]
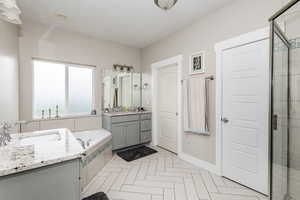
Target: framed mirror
[(121, 90)]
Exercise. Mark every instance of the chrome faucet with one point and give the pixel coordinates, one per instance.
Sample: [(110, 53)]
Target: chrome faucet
[(88, 143), (5, 137), (81, 142), (5, 131)]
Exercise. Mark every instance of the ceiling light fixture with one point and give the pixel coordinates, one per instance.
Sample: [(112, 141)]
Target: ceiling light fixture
[(165, 4), (9, 11)]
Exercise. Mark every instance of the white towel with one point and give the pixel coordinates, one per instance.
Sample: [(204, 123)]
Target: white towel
[(195, 105)]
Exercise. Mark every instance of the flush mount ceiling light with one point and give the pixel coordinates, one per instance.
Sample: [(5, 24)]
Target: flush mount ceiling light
[(61, 16), (9, 11), (165, 4)]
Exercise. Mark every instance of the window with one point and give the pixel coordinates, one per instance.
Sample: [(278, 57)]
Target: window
[(68, 86)]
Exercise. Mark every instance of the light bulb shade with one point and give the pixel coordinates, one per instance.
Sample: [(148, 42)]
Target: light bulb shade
[(11, 17), (165, 4), (9, 11)]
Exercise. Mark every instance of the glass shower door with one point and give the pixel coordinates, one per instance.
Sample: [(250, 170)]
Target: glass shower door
[(280, 113)]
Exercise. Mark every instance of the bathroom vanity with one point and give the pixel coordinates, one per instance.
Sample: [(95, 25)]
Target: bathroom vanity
[(128, 128), (41, 165)]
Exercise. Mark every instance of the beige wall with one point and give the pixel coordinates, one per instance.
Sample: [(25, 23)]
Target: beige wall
[(46, 42), (9, 69), (235, 19)]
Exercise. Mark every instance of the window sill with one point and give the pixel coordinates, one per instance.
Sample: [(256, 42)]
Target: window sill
[(64, 117)]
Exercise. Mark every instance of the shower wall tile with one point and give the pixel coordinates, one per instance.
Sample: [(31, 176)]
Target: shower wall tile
[(294, 183), (295, 142), (294, 123), (295, 62), (295, 110), (295, 87), (295, 43), (294, 148)]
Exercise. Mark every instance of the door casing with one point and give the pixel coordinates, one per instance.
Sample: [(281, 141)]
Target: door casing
[(247, 38), (177, 60)]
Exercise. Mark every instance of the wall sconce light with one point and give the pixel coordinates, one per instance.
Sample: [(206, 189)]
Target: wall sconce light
[(123, 68)]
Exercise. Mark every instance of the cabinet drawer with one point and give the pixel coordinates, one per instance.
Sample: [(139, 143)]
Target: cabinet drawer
[(146, 116), (146, 125), (146, 136), (126, 118)]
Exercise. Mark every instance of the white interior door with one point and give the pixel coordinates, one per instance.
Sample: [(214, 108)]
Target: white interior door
[(167, 107), (245, 109)]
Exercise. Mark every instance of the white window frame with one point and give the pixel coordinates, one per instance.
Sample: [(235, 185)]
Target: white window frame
[(67, 65)]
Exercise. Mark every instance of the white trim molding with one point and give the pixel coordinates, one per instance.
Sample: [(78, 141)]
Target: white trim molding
[(247, 38), (177, 60), (199, 163)]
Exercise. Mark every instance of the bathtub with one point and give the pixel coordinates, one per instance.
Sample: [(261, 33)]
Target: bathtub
[(97, 153)]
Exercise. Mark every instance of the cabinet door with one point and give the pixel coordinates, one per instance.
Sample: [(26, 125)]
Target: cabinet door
[(132, 134), (118, 136), (146, 125)]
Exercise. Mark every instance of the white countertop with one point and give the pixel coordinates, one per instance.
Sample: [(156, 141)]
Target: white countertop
[(115, 114), (37, 149)]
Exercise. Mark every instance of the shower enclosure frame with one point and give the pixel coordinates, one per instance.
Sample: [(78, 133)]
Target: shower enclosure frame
[(275, 29)]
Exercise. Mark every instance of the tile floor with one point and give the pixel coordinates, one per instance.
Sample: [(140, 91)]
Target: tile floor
[(163, 176)]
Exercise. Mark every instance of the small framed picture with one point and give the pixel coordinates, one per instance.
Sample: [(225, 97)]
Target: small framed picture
[(197, 62)]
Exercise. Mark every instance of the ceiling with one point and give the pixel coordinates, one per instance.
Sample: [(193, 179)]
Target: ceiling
[(136, 23)]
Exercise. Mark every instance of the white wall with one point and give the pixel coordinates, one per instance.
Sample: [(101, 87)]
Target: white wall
[(9, 70), (46, 42), (230, 21)]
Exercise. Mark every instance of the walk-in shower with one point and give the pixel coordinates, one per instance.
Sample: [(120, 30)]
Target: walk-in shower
[(285, 104)]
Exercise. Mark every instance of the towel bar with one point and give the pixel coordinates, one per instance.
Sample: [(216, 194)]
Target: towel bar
[(206, 130)]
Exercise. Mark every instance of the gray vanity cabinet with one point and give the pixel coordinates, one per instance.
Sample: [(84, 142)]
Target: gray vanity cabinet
[(125, 134), (128, 130)]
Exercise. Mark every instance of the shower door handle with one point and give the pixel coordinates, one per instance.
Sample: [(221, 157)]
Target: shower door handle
[(275, 122)]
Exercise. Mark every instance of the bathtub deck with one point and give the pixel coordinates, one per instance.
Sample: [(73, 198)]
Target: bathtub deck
[(163, 176)]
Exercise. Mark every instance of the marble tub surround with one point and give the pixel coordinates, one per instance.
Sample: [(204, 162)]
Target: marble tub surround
[(98, 152), (37, 149)]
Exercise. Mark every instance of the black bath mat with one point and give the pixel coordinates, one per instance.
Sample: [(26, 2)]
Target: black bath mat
[(97, 196), (136, 153)]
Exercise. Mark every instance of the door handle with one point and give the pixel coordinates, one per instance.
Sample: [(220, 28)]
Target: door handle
[(224, 120)]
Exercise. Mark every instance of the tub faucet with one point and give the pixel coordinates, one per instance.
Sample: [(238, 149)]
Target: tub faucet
[(5, 131), (81, 142), (5, 137), (88, 143)]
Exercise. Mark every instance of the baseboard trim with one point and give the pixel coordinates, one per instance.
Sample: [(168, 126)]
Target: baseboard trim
[(199, 163)]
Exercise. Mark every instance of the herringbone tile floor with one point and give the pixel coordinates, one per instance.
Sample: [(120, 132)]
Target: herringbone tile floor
[(163, 176)]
